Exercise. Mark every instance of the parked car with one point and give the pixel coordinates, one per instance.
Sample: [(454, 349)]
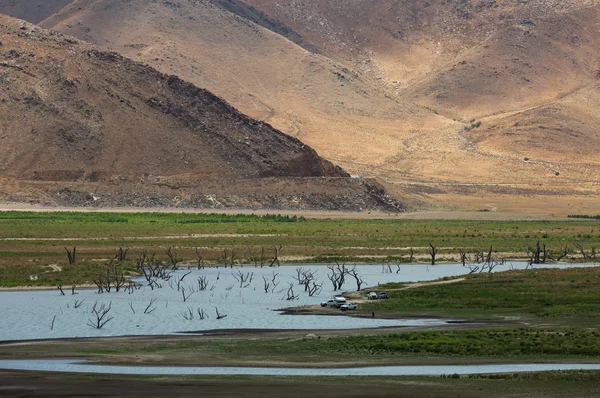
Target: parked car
[(348, 306), (334, 302), (383, 296), (328, 303), (372, 296)]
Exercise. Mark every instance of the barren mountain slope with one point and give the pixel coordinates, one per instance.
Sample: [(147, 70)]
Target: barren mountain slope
[(405, 39), (527, 64), (33, 11), (326, 104), (72, 113), (354, 95)]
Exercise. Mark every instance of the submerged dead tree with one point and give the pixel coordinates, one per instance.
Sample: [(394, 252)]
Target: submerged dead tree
[(540, 254), (337, 275), (101, 316), (173, 258), (244, 278), (272, 285), (111, 277), (592, 254), (359, 282)]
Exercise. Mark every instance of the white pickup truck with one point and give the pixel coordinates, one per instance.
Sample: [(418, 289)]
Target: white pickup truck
[(336, 302)]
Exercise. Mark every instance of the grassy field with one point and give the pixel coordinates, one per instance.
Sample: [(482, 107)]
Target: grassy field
[(552, 295), (423, 347), (30, 241)]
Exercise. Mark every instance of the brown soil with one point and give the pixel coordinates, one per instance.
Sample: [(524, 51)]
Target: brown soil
[(50, 385)]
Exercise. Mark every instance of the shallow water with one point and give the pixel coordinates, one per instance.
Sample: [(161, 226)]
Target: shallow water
[(47, 314), (74, 366)]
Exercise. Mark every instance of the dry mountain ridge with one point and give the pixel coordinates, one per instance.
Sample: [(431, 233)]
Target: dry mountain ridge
[(482, 103), (84, 126)]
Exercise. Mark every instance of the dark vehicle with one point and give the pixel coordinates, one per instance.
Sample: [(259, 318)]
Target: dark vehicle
[(383, 296)]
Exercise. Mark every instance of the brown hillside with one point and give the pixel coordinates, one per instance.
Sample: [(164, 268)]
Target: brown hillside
[(73, 115), (390, 88), (349, 116)]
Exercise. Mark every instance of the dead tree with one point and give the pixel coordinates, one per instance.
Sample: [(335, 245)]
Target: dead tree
[(337, 275), (150, 307), (591, 256), (411, 254), (386, 268), (473, 268), (119, 278), (433, 252), (173, 258), (101, 316), (267, 285), (314, 288), (359, 281), (308, 278), (270, 286), (112, 276), (199, 259), (463, 256), (59, 287), (562, 253), (244, 278), (535, 254), (190, 292), (153, 269), (290, 293), (121, 254), (132, 286), (305, 277), (73, 290), (220, 316), (188, 315), (71, 255), (181, 280), (300, 275), (202, 283), (276, 256), (78, 303), (201, 314)]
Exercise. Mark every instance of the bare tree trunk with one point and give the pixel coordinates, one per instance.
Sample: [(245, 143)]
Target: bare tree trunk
[(71, 255), (433, 252)]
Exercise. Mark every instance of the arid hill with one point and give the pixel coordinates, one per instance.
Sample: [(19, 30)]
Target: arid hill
[(74, 117), (480, 104)]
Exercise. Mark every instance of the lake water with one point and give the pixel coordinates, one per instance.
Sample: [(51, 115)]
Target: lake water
[(74, 366), (47, 314)]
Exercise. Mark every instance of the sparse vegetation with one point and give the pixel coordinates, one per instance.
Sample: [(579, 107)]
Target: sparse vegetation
[(551, 294), (32, 244)]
